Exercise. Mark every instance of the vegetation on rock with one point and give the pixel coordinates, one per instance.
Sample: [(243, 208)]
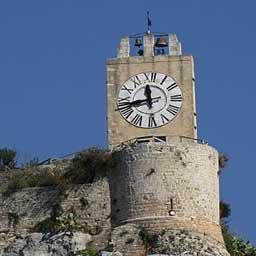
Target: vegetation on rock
[(86, 167), (225, 210), (20, 180), (60, 221), (13, 219), (7, 158), (234, 244), (223, 161), (149, 239)]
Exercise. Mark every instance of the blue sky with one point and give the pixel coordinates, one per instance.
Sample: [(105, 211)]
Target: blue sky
[(52, 78)]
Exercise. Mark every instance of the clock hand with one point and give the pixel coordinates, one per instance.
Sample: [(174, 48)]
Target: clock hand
[(148, 96), (130, 103), (154, 100), (136, 102), (142, 100)]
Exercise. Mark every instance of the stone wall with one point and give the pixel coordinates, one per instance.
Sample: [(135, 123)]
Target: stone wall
[(32, 205), (151, 175)]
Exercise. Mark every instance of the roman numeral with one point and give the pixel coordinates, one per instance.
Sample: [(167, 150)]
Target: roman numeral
[(151, 121), (123, 105), (136, 81), (173, 109), (126, 111), (177, 97), (126, 99), (150, 77), (164, 119), (163, 80), (127, 89), (137, 120), (172, 86)]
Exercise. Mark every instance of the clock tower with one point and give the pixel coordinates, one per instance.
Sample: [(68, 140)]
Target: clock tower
[(153, 93), (166, 180)]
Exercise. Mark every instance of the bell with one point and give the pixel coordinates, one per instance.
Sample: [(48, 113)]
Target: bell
[(140, 52), (160, 42), (138, 42)]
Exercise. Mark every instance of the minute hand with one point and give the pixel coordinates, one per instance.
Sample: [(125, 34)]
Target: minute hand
[(136, 102), (141, 101)]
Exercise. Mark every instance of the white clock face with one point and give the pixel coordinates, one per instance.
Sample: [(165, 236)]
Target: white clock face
[(149, 100)]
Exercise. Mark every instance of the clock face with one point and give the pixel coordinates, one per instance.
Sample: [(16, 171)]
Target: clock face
[(149, 100)]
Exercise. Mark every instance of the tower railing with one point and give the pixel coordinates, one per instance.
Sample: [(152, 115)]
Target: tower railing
[(155, 139)]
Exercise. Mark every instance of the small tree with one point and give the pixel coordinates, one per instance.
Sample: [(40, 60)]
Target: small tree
[(7, 158)]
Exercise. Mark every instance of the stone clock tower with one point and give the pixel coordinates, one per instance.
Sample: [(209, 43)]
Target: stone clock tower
[(171, 82), (166, 181)]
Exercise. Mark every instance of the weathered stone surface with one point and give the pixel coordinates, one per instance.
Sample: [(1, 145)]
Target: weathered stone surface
[(47, 244), (128, 241), (187, 243), (150, 175), (33, 205)]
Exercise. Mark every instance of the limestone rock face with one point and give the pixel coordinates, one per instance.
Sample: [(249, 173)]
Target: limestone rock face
[(47, 244), (128, 239), (187, 243)]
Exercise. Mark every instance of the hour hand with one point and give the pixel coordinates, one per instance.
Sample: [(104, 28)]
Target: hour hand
[(148, 95)]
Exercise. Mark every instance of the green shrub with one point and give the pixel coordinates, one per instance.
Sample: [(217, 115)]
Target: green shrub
[(85, 167), (60, 221), (13, 219), (235, 245), (149, 239), (69, 222), (88, 165), (225, 210), (7, 158)]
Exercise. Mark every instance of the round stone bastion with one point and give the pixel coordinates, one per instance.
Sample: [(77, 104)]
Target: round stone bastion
[(173, 186)]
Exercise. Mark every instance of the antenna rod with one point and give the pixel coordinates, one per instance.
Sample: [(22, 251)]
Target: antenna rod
[(149, 23)]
